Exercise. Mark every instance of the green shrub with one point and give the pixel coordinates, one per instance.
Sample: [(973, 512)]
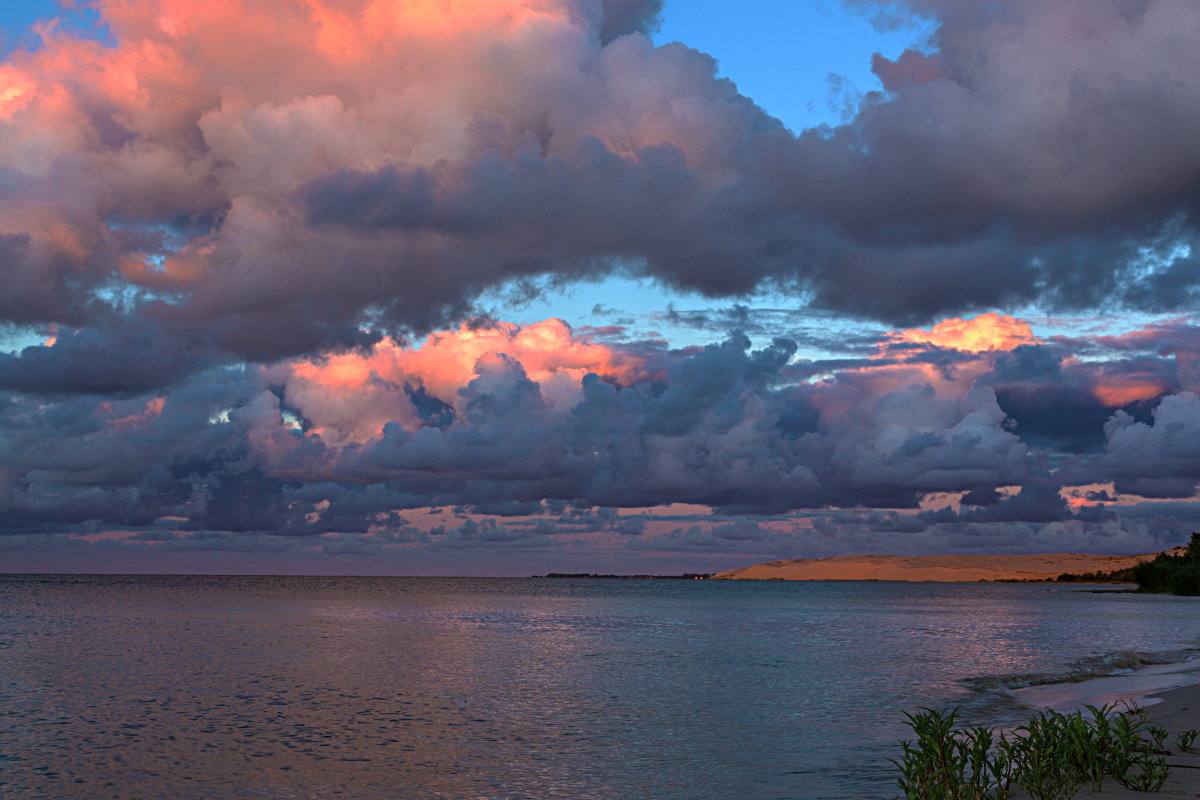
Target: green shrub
[(1050, 763), (1166, 573), (1174, 574), (1051, 757), (945, 763), (1116, 576)]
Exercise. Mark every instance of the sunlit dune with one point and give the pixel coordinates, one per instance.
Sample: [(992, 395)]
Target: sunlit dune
[(938, 569)]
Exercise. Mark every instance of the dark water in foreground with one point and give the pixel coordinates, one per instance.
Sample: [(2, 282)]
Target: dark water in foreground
[(193, 687)]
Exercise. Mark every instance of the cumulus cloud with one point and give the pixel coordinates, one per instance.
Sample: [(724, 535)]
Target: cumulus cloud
[(371, 161), (351, 396), (537, 433), (235, 243), (1159, 458)]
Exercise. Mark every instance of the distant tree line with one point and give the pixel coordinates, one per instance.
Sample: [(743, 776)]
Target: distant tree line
[(1165, 574), (1116, 576), (1175, 574)]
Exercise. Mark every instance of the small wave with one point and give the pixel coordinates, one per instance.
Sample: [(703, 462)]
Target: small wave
[(1117, 663)]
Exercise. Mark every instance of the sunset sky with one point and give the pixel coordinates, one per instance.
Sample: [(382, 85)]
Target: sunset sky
[(501, 287)]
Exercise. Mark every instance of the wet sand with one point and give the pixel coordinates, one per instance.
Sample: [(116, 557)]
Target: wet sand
[(1176, 709)]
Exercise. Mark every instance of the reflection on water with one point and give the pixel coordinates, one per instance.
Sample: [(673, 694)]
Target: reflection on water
[(465, 688)]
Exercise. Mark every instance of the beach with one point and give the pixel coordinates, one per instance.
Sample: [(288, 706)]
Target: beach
[(1179, 710), (1176, 708)]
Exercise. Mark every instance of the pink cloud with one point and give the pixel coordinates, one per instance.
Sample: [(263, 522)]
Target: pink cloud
[(350, 396), (902, 365), (984, 333), (152, 409)]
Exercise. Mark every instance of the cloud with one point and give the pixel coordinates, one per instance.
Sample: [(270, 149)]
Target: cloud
[(980, 334), (352, 395), (380, 164), (252, 258), (516, 422), (540, 413), (178, 164), (1160, 458)]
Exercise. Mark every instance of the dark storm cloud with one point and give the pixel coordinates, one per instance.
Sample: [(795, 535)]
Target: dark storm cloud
[(130, 356), (741, 536), (724, 426), (1036, 502), (1057, 402)]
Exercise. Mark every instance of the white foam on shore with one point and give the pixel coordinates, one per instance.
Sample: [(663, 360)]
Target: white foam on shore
[(1133, 686)]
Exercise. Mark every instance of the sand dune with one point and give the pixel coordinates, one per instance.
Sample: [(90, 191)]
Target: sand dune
[(934, 568)]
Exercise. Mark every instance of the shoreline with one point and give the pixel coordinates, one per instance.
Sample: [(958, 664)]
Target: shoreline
[(1143, 686), (1167, 702)]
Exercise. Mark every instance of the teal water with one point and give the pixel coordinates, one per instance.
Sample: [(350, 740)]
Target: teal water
[(491, 689)]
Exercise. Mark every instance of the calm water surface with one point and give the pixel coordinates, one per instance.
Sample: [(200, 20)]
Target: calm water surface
[(457, 689)]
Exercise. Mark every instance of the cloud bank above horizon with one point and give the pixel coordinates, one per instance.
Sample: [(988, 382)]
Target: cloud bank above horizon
[(254, 236), (505, 445)]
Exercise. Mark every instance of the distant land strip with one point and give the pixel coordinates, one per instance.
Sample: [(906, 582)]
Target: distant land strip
[(686, 576), (939, 569)]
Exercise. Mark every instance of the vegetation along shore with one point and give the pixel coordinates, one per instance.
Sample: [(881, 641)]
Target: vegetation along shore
[(1109, 751)]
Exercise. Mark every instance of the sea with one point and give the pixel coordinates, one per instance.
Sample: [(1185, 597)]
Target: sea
[(138, 687)]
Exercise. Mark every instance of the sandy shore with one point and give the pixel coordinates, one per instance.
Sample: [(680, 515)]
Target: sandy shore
[(945, 568), (1176, 709)]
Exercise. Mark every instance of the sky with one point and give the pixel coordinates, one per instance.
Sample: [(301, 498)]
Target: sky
[(504, 287)]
